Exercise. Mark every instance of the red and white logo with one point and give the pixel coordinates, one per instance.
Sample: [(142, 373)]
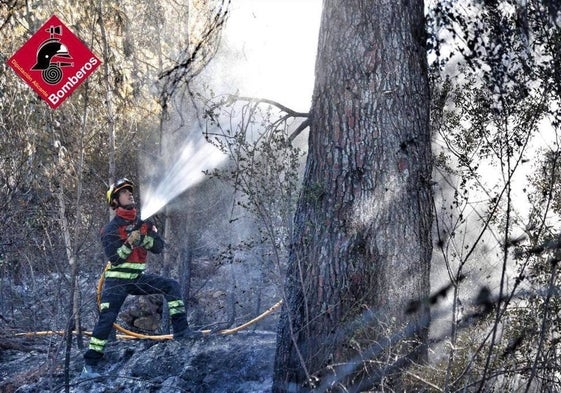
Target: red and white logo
[(54, 62)]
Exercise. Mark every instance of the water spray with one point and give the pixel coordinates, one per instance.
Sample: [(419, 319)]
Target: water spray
[(187, 170)]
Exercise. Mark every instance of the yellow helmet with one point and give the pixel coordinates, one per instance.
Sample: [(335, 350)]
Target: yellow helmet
[(113, 191)]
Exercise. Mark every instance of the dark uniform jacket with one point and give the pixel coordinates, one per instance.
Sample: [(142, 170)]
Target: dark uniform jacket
[(127, 262)]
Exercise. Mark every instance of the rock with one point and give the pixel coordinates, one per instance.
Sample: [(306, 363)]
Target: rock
[(145, 313), (148, 323)]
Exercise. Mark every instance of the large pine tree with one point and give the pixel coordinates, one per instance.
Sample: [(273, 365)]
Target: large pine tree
[(362, 246)]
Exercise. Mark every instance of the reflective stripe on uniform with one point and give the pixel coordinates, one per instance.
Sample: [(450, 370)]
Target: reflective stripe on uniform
[(130, 265), (97, 344), (125, 275), (127, 270), (176, 307), (103, 306)]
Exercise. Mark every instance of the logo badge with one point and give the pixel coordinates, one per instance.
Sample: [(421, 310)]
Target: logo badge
[(54, 62)]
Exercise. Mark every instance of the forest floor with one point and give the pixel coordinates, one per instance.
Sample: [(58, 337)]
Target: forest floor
[(221, 297), (238, 363)]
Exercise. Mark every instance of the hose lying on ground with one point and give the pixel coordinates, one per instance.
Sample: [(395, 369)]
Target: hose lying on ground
[(128, 334)]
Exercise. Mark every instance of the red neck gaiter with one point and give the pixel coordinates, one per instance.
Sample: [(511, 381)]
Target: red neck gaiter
[(138, 254), (127, 214)]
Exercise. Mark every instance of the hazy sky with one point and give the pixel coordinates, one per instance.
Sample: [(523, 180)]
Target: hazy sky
[(270, 49)]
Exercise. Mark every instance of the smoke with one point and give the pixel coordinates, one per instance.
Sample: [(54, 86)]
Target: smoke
[(186, 171), (255, 60)]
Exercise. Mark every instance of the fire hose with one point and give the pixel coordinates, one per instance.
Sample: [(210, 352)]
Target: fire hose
[(169, 336), (128, 334)]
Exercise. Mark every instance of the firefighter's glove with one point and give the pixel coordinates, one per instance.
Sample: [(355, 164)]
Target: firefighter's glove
[(124, 251), (147, 242), (134, 239)]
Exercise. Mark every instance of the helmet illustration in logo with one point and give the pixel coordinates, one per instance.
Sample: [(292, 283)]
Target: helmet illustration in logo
[(51, 57)]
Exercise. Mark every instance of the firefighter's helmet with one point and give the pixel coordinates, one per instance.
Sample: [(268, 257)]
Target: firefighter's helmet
[(113, 191)]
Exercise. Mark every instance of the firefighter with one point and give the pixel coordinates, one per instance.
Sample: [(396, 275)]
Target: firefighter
[(126, 241)]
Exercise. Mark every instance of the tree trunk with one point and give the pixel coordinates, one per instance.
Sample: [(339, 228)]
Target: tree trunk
[(108, 99), (362, 245)]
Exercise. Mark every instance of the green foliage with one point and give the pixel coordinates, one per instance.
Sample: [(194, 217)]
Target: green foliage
[(495, 93), (263, 168)]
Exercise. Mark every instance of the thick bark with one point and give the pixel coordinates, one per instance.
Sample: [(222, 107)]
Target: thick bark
[(362, 246)]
